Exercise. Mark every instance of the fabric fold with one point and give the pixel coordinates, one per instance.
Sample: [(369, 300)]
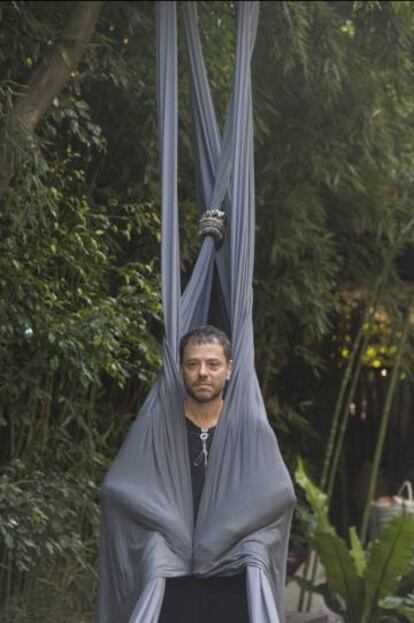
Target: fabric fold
[(147, 526)]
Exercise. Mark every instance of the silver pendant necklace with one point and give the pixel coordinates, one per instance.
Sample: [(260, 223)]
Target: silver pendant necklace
[(203, 436)]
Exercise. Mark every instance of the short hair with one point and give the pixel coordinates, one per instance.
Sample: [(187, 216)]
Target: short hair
[(206, 335)]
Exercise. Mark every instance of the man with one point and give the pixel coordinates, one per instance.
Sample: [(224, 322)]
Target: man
[(195, 521), (206, 366)]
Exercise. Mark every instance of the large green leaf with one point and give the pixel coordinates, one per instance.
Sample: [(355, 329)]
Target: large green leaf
[(406, 612), (341, 574), (317, 500), (389, 558), (331, 599), (357, 552), (401, 605)]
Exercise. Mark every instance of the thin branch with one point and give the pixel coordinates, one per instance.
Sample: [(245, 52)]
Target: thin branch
[(51, 76)]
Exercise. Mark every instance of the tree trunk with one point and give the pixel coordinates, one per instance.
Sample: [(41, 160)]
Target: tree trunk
[(50, 77)]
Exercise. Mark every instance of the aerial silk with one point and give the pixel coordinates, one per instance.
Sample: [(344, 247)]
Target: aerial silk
[(147, 526)]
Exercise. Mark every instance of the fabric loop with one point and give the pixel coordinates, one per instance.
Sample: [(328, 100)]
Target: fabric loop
[(148, 532)]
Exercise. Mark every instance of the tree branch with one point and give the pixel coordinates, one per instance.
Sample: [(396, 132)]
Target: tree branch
[(50, 77)]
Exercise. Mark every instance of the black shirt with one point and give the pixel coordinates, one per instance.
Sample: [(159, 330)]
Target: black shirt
[(190, 599), (197, 460)]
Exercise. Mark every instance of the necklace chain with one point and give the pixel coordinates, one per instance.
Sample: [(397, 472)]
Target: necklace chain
[(203, 456)]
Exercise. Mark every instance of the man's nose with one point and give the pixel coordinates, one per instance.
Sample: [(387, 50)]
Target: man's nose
[(202, 371)]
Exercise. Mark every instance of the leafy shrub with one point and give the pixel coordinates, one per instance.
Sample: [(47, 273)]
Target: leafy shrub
[(359, 583), (48, 532)]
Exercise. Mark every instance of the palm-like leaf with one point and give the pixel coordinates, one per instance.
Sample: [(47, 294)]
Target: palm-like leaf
[(341, 574), (317, 499), (401, 605), (389, 558), (357, 552), (334, 603)]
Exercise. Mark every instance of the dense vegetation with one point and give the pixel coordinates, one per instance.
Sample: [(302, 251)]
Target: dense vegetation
[(80, 315)]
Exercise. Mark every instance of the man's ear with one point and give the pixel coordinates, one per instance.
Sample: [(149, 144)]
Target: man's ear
[(229, 369)]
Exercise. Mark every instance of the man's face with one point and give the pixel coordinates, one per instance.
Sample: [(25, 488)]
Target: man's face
[(205, 370)]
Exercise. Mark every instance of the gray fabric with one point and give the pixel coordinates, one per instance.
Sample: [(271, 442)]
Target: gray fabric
[(244, 516)]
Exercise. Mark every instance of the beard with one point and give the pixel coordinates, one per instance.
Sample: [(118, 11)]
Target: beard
[(204, 398)]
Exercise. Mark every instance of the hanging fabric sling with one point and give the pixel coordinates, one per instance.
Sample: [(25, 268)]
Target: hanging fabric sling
[(243, 522)]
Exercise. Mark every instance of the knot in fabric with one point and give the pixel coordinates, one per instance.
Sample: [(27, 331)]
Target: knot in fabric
[(212, 223)]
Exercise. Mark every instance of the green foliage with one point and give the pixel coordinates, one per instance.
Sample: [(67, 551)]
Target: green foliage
[(43, 517), (400, 605), (49, 527), (389, 558), (334, 151), (80, 311), (80, 314), (343, 580), (359, 582), (357, 552), (317, 500)]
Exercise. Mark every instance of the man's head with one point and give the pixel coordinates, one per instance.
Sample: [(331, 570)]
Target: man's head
[(205, 357)]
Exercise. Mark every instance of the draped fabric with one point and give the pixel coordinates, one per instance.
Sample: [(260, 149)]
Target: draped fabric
[(147, 527)]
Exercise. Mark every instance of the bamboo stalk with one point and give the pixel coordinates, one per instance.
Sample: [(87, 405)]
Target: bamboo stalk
[(12, 429), (27, 432), (9, 576), (337, 417), (3, 567), (369, 317), (344, 417), (46, 408), (341, 406), (266, 376), (384, 420), (337, 411), (328, 456), (341, 412)]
